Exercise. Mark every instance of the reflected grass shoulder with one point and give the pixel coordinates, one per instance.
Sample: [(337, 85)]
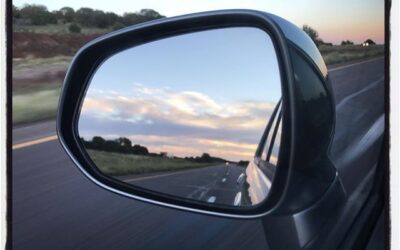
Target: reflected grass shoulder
[(119, 164)]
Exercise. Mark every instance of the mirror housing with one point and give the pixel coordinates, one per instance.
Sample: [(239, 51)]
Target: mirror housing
[(305, 175)]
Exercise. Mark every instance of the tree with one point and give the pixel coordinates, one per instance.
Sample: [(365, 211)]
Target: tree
[(141, 16), (98, 142), (67, 14), (205, 157), (57, 14), (313, 34), (96, 18), (124, 142), (130, 19), (112, 19), (74, 28), (125, 145), (370, 42), (150, 14), (100, 19), (112, 146), (85, 17), (347, 42), (37, 14), (139, 150), (15, 12)]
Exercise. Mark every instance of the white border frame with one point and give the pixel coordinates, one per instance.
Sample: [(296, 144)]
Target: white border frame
[(394, 205), (3, 124)]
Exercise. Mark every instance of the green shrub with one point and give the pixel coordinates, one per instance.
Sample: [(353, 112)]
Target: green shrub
[(74, 28)]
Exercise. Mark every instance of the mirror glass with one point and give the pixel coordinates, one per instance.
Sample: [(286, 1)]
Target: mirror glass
[(195, 116)]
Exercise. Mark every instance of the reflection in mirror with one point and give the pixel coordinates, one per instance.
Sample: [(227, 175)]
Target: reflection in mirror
[(196, 116)]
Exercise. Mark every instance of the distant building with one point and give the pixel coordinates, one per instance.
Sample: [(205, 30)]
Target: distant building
[(368, 42)]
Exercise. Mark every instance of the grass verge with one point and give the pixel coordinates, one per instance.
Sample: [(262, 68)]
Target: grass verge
[(35, 63), (343, 54), (117, 164), (35, 105)]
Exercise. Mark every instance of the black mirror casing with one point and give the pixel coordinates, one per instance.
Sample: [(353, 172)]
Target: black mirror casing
[(306, 183)]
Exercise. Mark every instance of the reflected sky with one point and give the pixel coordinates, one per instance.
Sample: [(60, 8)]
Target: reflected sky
[(210, 91)]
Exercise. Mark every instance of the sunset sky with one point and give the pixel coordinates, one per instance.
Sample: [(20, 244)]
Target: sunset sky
[(335, 21)]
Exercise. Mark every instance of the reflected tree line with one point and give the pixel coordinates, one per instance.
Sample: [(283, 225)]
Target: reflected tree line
[(124, 145)]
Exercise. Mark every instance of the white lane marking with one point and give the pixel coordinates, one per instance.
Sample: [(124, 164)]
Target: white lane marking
[(198, 193), (211, 199), (240, 178), (238, 199), (347, 98), (203, 193), (202, 187), (178, 172), (353, 64), (223, 179)]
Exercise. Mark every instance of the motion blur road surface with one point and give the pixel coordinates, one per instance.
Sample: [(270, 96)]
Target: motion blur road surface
[(56, 207)]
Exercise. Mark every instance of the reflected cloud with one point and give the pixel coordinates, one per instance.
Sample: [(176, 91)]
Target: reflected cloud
[(182, 123)]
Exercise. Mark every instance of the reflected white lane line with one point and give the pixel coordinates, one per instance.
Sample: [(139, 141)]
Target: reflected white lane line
[(211, 199), (177, 172), (203, 193), (238, 199)]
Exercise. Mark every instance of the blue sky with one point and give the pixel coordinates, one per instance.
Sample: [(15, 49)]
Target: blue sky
[(198, 58), (210, 91), (336, 20)]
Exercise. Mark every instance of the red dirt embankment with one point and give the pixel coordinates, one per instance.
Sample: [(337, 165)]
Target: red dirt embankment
[(26, 44)]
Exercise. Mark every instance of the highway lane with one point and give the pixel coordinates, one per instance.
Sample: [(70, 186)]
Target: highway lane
[(33, 131), (56, 207), (213, 184), (359, 120)]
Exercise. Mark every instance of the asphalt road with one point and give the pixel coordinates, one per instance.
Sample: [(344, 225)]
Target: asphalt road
[(56, 207), (213, 184)]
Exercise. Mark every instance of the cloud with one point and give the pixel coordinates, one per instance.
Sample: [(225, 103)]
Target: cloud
[(182, 123)]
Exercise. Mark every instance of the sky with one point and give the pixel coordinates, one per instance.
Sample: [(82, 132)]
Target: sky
[(356, 20), (204, 92)]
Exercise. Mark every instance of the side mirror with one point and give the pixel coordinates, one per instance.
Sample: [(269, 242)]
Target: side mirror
[(226, 113)]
